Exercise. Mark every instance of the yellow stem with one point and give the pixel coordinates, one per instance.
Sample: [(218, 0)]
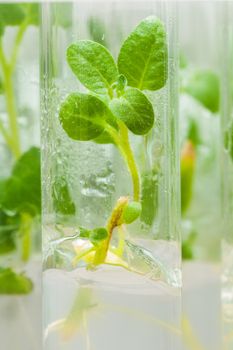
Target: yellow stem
[(13, 138), (113, 222), (25, 229), (130, 160)]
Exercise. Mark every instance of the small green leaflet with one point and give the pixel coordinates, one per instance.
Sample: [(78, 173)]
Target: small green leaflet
[(96, 236), (84, 116), (135, 110), (13, 283), (204, 86), (93, 65), (143, 56), (131, 212), (22, 192), (62, 200), (84, 233)]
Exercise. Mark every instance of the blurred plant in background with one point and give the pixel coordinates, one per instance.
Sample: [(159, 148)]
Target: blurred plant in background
[(20, 195), (199, 131)]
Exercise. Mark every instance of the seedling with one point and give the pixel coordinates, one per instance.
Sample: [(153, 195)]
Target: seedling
[(20, 192), (115, 103)]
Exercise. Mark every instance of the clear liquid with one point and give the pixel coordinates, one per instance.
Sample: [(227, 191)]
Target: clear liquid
[(110, 309)]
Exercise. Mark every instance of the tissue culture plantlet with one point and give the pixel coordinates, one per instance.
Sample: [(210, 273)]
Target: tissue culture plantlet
[(115, 104), (20, 192)]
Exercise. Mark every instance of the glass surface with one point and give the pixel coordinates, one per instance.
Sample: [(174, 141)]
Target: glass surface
[(227, 178), (199, 117), (109, 283)]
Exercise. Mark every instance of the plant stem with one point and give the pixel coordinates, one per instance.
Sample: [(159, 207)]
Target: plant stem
[(121, 244), (9, 139), (82, 255), (18, 40), (113, 222), (6, 135), (122, 142), (130, 161), (13, 138), (12, 113), (26, 226)]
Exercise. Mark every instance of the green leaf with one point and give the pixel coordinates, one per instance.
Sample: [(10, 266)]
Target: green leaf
[(7, 242), (104, 138), (204, 86), (84, 116), (93, 65), (193, 134), (1, 28), (2, 189), (97, 30), (187, 252), (7, 239), (187, 246), (62, 200), (97, 235), (11, 14), (9, 226), (22, 190), (143, 56), (84, 233), (135, 110), (149, 197), (131, 212), (13, 283)]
